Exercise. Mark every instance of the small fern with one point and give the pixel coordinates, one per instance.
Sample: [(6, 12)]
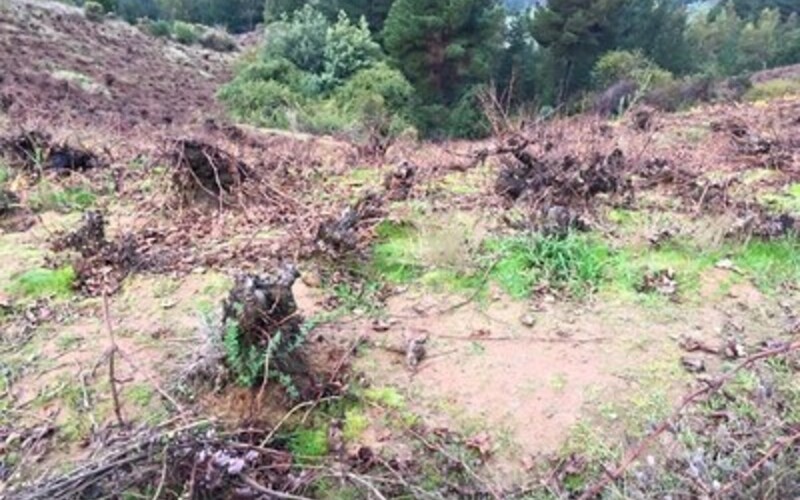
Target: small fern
[(247, 363)]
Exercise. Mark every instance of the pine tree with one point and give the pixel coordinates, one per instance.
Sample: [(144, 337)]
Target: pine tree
[(576, 33), (444, 46)]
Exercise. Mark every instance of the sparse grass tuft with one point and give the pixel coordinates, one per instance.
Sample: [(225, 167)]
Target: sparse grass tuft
[(774, 89), (47, 197), (39, 283), (140, 395)]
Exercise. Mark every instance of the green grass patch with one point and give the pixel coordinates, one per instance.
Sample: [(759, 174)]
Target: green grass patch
[(770, 264), (40, 283), (140, 395), (394, 257), (574, 263)]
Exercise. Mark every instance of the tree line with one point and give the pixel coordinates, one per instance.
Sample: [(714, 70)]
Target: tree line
[(432, 60)]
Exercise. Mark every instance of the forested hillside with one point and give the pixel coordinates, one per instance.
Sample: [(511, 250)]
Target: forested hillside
[(433, 67)]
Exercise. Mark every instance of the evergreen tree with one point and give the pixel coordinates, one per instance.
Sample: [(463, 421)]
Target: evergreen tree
[(576, 33), (444, 46), (516, 71), (657, 28)]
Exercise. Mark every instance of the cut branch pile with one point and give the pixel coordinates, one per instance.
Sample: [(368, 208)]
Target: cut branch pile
[(204, 170), (34, 152)]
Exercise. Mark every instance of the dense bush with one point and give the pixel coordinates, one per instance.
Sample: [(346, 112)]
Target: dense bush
[(321, 77), (266, 103), (185, 33), (161, 28)]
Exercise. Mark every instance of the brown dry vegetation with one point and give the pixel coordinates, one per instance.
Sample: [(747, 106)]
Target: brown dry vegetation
[(435, 367)]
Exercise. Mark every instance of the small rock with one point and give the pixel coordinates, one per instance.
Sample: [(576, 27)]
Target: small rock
[(168, 303), (528, 320), (693, 365)]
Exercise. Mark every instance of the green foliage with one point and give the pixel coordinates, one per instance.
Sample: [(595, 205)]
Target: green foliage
[(94, 11), (348, 49), (39, 283), (574, 263), (185, 33), (264, 103), (301, 39), (444, 48), (619, 65), (321, 77), (575, 33), (771, 264), (160, 28), (395, 257), (246, 361), (309, 443)]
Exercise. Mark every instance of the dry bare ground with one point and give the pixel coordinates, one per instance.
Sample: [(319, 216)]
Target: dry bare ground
[(581, 308)]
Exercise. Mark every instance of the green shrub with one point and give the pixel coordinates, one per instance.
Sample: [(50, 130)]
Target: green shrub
[(300, 38), (247, 364), (215, 39), (94, 11), (773, 89), (376, 102), (160, 28), (263, 103), (39, 283), (620, 65), (184, 33)]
